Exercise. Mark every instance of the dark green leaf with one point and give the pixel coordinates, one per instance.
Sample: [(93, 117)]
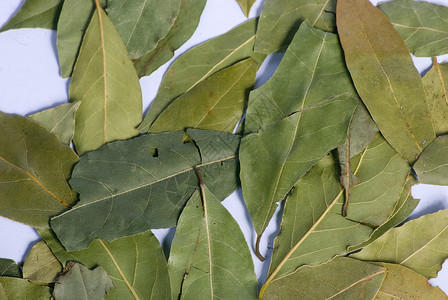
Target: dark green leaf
[(41, 266), (9, 268)]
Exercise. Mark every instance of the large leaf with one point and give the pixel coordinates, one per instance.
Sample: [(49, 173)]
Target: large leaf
[(432, 166), (280, 20), (152, 172), (35, 14), (246, 6), (105, 82), (340, 278), (403, 283), (184, 25), (422, 25), (136, 264), (200, 63), (419, 244), (80, 283), (17, 288), (436, 87), (142, 23), (9, 268), (303, 111), (34, 168), (41, 266), (385, 77), (209, 256), (216, 103), (59, 120)]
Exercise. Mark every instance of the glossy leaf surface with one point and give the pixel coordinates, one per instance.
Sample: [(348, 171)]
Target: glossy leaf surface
[(436, 87), (200, 63), (216, 103), (431, 167), (419, 244), (9, 268), (105, 82), (385, 77), (422, 25), (340, 278), (246, 5), (17, 288), (59, 120), (34, 168), (41, 266), (209, 256)]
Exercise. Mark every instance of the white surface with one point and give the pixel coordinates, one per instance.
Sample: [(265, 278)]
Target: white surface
[(30, 82)]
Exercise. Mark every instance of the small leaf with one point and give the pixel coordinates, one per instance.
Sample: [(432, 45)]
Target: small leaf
[(431, 167), (80, 283), (59, 120), (379, 62), (17, 288), (246, 6), (34, 168), (41, 266), (36, 14), (9, 268)]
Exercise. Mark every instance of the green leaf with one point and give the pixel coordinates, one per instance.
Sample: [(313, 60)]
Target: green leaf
[(17, 288), (59, 120), (436, 87), (340, 278), (9, 268), (41, 266), (105, 82), (80, 283), (34, 168), (431, 167), (35, 14), (209, 256), (403, 283), (294, 121), (200, 63), (422, 25), (142, 23), (419, 244), (280, 20), (385, 77), (136, 264), (246, 5), (184, 25), (216, 103), (155, 173)]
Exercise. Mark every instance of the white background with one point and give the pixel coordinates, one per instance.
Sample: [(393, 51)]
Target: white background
[(30, 82)]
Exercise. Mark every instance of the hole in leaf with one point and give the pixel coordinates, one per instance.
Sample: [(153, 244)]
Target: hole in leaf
[(154, 152)]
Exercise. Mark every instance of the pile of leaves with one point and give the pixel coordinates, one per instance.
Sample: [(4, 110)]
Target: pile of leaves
[(338, 136)]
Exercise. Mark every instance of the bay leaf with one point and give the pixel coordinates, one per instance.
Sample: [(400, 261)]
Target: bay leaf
[(403, 283), (339, 278), (155, 173), (136, 264), (34, 169), (41, 266), (35, 14), (217, 103), (294, 121), (142, 23), (380, 64), (17, 288), (59, 120), (279, 21), (246, 5), (422, 25), (182, 29), (436, 87), (209, 256), (419, 244), (105, 82), (9, 268), (431, 167), (199, 63), (80, 283)]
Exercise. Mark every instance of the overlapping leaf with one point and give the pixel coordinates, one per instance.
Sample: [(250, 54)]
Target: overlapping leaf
[(9, 268), (17, 288), (432, 166), (200, 63), (34, 168), (246, 5), (105, 82), (436, 87), (385, 77), (41, 266), (423, 25), (209, 256)]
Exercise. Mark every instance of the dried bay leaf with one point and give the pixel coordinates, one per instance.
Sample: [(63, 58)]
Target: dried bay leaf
[(17, 288), (431, 167), (436, 87), (216, 103), (246, 5), (80, 283), (279, 21), (105, 82), (59, 120), (155, 173), (200, 63), (422, 25), (9, 268), (41, 266), (419, 244), (209, 256), (385, 77), (34, 168)]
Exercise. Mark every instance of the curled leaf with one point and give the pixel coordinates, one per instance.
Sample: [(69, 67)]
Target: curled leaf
[(41, 266)]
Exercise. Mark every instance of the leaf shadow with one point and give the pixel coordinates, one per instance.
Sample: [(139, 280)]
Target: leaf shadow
[(260, 7), (19, 6), (435, 206), (28, 248)]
